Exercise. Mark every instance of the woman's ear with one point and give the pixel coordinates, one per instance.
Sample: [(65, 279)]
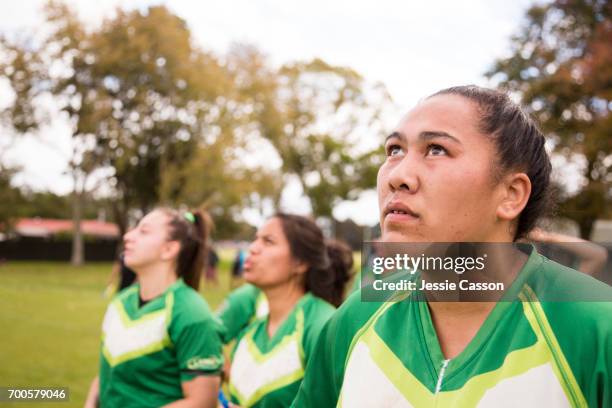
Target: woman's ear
[(515, 194), (300, 267), (170, 250)]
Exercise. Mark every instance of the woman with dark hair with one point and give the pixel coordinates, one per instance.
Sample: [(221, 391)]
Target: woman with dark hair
[(467, 165), (160, 343), (303, 279)]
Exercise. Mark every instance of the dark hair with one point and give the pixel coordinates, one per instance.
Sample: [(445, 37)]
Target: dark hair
[(520, 147), (192, 230), (329, 262), (126, 275)]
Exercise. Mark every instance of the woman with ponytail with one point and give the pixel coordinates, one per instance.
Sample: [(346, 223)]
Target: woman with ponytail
[(303, 279), (160, 343)]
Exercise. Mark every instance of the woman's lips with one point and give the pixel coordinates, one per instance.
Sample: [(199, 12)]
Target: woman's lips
[(400, 218), (397, 211)]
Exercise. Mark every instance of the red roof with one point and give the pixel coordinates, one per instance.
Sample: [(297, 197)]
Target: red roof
[(43, 227)]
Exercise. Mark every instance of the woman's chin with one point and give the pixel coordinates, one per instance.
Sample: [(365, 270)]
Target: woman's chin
[(131, 262), (128, 261), (249, 277), (405, 236)]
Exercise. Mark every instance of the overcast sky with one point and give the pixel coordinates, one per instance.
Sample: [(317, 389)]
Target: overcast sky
[(414, 48)]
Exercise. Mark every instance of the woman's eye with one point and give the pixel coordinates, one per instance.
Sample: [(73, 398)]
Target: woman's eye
[(436, 150), (394, 150)]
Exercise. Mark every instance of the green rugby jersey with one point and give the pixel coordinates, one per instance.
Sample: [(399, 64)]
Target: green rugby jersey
[(267, 372), (528, 353), (148, 351), (240, 308)]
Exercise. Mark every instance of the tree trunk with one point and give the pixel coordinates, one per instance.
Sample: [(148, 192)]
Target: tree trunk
[(120, 218), (78, 249), (586, 227)]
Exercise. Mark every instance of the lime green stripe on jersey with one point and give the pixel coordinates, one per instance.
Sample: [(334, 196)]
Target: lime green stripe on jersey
[(529, 352), (295, 336), (417, 394), (148, 351), (240, 308), (383, 308), (130, 322), (267, 371), (539, 323), (277, 368), (125, 338)]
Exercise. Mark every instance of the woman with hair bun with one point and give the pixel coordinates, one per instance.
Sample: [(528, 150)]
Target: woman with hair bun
[(161, 344), (303, 278)]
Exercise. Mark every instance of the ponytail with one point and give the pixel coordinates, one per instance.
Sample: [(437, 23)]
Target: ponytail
[(192, 230), (341, 263), (329, 264)]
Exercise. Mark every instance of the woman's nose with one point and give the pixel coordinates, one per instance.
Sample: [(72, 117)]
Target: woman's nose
[(254, 247), (127, 235)]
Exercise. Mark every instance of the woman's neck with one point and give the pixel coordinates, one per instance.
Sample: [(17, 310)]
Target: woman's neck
[(281, 301), (155, 279), (457, 323)]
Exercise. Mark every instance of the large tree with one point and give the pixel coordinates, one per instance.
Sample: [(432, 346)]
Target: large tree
[(561, 67), (158, 92), (10, 199), (52, 74), (143, 102), (154, 118), (171, 131), (322, 122)]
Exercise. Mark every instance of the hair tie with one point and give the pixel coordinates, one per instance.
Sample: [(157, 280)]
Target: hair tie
[(190, 217)]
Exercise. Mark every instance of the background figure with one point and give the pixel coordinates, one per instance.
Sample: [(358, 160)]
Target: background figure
[(237, 267), (211, 274), (589, 257), (303, 278), (161, 328)]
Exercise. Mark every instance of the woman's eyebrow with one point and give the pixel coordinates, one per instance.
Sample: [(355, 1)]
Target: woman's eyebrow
[(396, 135), (424, 136), (429, 135)]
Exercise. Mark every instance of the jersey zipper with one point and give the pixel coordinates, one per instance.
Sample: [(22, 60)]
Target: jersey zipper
[(441, 375)]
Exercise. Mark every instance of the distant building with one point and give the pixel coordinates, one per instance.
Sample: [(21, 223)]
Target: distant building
[(48, 228), (45, 239)]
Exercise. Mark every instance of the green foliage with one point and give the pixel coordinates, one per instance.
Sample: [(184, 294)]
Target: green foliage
[(561, 66), (316, 117), (167, 122), (10, 199)]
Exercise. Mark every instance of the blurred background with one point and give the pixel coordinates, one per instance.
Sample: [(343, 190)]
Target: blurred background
[(110, 108)]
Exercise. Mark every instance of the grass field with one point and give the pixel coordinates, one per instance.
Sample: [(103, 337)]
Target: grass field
[(51, 315)]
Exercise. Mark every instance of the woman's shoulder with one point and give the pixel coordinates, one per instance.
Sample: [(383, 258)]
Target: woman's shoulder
[(554, 282), (246, 291), (125, 293), (245, 295), (352, 314), (315, 305), (573, 303), (188, 304)]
